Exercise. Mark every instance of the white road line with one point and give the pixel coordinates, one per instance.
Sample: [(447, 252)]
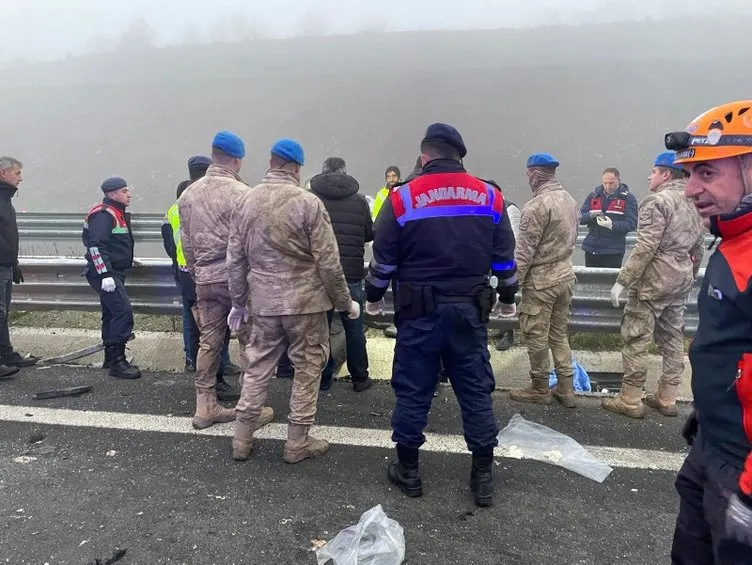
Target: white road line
[(360, 437)]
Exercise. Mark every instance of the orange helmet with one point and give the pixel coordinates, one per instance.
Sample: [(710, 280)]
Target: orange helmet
[(723, 131)]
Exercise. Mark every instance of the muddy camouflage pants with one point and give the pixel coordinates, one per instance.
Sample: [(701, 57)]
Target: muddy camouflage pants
[(544, 320), (308, 339), (213, 305), (643, 321)]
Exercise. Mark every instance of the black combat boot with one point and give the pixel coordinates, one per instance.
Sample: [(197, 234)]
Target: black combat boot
[(119, 366), (481, 478), (225, 392), (108, 356), (405, 473)]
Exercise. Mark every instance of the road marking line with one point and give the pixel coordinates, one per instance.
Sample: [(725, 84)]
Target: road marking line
[(358, 437)]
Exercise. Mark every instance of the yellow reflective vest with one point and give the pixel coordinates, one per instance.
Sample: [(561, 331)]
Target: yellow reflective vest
[(173, 217), (379, 200)]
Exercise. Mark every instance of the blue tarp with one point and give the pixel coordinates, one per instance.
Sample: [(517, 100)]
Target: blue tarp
[(581, 378)]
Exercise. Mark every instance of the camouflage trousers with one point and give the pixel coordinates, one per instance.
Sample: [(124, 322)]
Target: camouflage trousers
[(544, 320), (213, 304), (648, 320), (308, 339)]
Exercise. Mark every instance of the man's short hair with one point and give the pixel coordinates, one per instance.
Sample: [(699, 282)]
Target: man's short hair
[(438, 150), (393, 169), (9, 163), (335, 165), (613, 170), (220, 157), (676, 174)]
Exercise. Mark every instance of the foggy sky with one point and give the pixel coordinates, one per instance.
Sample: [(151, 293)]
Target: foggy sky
[(50, 29)]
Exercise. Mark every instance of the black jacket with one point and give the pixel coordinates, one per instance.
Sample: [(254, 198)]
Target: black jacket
[(108, 239), (721, 351), (8, 226), (351, 219), (445, 229)]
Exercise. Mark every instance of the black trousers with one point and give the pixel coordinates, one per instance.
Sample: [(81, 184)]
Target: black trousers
[(704, 485), (603, 261)]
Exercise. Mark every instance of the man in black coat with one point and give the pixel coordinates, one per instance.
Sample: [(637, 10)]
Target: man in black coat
[(353, 227), (10, 273)]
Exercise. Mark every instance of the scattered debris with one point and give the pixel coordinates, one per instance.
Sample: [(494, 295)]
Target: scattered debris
[(83, 543), (466, 514), (111, 453), (317, 544), (25, 459), (61, 392), (377, 414), (36, 438), (117, 555)]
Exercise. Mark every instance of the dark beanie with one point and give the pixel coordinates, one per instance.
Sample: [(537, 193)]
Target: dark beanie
[(113, 183), (199, 163)]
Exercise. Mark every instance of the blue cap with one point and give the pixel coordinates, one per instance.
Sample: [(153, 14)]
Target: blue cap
[(113, 183), (289, 150), (666, 159), (229, 143), (199, 163), (542, 160), (444, 133)]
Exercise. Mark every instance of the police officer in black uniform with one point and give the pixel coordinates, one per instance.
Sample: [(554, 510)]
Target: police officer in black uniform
[(108, 240), (445, 241)]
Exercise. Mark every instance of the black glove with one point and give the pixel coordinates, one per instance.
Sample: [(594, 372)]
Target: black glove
[(17, 275), (689, 431)]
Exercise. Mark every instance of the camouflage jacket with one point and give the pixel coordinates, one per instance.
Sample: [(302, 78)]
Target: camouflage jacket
[(205, 210), (282, 255), (548, 234), (669, 247)]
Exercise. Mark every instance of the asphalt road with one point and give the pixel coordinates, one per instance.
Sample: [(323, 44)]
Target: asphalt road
[(70, 494)]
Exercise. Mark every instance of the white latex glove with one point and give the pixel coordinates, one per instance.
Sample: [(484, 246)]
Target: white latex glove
[(237, 317), (108, 284), (137, 263), (376, 308), (354, 312), (605, 222), (616, 291)]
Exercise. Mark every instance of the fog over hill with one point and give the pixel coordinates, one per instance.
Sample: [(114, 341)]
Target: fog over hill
[(594, 96)]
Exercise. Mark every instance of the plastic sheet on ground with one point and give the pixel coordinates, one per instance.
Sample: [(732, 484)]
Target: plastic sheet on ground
[(375, 540), (581, 378), (522, 439)]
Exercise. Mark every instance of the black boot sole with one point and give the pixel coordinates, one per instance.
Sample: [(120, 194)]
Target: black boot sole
[(8, 373), (412, 492), (228, 396)]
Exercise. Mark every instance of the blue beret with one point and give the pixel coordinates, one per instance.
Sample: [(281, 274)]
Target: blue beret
[(289, 150), (199, 162), (542, 160), (666, 159), (444, 133), (113, 183), (229, 143)]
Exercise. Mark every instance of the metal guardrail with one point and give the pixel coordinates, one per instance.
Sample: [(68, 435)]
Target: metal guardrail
[(35, 226), (55, 283)]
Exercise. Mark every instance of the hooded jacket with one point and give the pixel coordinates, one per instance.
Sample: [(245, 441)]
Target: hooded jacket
[(351, 219)]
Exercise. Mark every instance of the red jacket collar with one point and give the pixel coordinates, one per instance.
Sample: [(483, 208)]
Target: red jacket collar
[(729, 226)]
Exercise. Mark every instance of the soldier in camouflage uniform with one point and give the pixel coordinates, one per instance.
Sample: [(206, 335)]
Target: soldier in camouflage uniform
[(283, 263), (205, 212), (547, 237), (658, 277)]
